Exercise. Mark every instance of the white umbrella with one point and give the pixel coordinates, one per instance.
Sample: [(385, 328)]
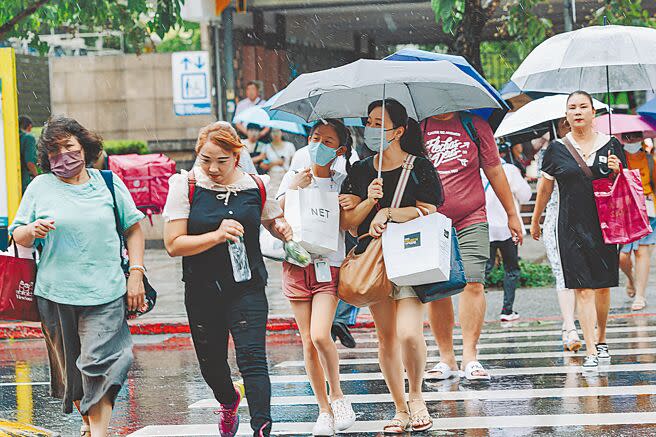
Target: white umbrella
[(596, 59), (257, 115), (424, 88), (537, 112)]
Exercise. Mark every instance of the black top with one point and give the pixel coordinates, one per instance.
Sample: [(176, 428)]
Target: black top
[(214, 266), (424, 185), (588, 262)]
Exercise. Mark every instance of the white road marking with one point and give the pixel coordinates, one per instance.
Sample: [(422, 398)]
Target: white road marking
[(537, 393), (374, 426), (485, 357)]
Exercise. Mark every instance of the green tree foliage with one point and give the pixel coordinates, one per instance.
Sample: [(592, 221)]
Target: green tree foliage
[(626, 12), (466, 20), (181, 38), (137, 19)]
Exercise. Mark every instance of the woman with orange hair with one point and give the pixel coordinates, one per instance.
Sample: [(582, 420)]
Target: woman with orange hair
[(213, 215)]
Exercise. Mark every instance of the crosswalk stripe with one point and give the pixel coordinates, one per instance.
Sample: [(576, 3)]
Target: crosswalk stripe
[(374, 426), (512, 334), (545, 343), (517, 371), (505, 394), (483, 357)]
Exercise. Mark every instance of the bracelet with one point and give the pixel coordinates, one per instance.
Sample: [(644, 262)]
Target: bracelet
[(389, 215), (142, 269)]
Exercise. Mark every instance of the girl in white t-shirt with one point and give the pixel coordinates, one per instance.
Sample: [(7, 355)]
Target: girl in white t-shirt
[(312, 301)]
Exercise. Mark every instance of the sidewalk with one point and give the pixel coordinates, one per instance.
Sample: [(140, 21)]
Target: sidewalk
[(168, 317)]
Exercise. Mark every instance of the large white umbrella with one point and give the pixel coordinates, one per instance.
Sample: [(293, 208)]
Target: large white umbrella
[(424, 88), (596, 59), (535, 113)]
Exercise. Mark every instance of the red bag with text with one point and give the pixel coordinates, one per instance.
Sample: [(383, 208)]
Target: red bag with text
[(622, 208), (17, 278)]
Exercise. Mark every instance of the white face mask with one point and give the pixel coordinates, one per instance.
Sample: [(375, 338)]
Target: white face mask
[(633, 147)]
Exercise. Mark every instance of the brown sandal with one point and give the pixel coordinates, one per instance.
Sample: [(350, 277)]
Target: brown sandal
[(421, 420), (399, 424)]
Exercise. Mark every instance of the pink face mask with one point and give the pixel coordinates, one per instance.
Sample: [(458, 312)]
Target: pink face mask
[(67, 165)]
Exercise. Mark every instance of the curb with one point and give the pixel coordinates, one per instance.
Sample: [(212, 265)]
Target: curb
[(32, 330)]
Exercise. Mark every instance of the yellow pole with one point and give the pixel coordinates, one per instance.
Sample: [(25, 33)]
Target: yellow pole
[(24, 402), (10, 125)]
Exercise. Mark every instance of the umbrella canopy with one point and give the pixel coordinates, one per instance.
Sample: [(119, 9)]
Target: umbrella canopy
[(582, 59), (259, 116), (535, 113), (648, 110), (424, 88), (458, 61), (623, 123), (276, 114)]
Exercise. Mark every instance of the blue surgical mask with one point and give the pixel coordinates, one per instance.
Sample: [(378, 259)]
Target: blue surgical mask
[(320, 154), (372, 139), (633, 148)]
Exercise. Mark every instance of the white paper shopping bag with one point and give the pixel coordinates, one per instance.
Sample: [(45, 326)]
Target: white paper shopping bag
[(314, 218), (418, 252)]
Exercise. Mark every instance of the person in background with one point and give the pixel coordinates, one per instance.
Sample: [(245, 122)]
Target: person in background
[(225, 206), (500, 237), (640, 157), (566, 296), (345, 315), (255, 147), (252, 99), (279, 153), (516, 157), (459, 144), (28, 153), (81, 290), (314, 298), (590, 266)]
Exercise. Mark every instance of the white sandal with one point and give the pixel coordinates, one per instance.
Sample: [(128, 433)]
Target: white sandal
[(440, 372), (471, 368)]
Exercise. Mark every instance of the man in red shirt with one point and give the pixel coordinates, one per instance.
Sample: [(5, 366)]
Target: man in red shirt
[(459, 144)]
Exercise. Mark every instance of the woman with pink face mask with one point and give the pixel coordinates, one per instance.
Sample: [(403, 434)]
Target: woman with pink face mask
[(81, 289)]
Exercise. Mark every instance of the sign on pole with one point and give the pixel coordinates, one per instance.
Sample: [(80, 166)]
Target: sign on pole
[(191, 83)]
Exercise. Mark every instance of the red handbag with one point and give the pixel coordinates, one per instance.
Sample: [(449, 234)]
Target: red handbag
[(622, 208), (17, 279), (621, 205)]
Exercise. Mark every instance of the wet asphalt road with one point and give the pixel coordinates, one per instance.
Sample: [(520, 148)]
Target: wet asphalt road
[(536, 388)]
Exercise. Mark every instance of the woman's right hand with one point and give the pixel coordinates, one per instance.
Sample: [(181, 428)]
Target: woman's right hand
[(375, 190), (536, 231), (41, 227), (230, 230), (302, 179)]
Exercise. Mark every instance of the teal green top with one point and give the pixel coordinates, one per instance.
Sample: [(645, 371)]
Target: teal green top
[(27, 154), (80, 263)]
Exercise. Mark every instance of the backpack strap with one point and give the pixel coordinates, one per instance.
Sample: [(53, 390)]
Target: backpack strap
[(408, 165), (260, 186), (191, 179), (650, 165), (468, 125), (108, 177)]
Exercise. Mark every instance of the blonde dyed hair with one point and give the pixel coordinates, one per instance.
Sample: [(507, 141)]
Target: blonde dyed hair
[(222, 134)]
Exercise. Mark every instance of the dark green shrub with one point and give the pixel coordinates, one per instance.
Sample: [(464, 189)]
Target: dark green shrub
[(125, 147), (532, 275)]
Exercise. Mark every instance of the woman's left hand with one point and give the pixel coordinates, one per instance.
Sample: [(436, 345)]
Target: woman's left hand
[(378, 224), (283, 229), (136, 291), (614, 163)]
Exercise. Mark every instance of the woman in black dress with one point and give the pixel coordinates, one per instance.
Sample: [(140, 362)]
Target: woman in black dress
[(400, 319), (590, 266)]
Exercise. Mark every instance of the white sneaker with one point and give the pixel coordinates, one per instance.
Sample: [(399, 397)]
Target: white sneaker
[(344, 414), (602, 352), (591, 364), (509, 317), (325, 425)]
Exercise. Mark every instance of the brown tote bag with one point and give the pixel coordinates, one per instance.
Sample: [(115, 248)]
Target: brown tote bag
[(363, 278)]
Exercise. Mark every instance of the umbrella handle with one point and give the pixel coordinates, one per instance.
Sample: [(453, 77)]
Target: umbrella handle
[(382, 138)]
